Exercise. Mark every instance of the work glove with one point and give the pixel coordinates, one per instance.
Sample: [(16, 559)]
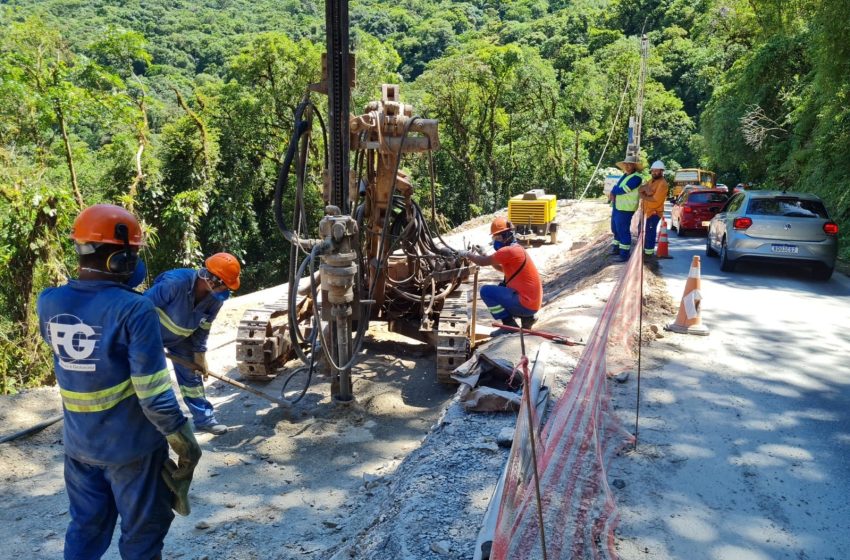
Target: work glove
[(179, 488), (463, 253), (188, 451), (201, 362), (476, 249)]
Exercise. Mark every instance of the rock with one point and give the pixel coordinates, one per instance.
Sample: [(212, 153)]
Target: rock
[(505, 437), (441, 547), (202, 525), (622, 377), (330, 524), (371, 481), (230, 505), (619, 483)]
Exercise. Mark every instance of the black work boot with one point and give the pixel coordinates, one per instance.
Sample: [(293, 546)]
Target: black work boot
[(528, 322), (509, 322)]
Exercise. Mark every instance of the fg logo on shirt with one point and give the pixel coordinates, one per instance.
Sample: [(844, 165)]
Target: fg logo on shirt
[(73, 342)]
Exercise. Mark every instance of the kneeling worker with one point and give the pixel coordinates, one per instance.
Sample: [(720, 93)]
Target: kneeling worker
[(521, 293), (187, 302)]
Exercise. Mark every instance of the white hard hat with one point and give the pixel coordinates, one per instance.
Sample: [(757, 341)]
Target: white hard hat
[(658, 164)]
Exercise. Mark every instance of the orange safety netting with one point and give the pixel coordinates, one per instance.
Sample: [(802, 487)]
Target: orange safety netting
[(578, 441)]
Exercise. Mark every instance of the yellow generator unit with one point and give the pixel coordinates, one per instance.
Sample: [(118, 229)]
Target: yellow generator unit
[(533, 215)]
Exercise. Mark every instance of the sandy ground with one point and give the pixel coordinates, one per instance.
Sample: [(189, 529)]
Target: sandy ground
[(312, 481)]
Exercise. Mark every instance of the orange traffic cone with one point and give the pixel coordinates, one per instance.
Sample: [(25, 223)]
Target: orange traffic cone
[(688, 320), (663, 249)]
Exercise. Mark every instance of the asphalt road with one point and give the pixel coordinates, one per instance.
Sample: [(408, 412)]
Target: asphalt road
[(750, 426)]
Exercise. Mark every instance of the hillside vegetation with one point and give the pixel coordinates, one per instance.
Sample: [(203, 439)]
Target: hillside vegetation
[(181, 110)]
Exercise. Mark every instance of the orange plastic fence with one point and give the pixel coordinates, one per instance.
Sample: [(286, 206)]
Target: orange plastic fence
[(578, 441)]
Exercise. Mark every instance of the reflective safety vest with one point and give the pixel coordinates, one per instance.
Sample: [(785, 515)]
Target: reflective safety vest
[(173, 295), (627, 202), (110, 366)]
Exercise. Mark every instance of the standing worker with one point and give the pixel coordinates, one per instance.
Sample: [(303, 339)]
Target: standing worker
[(521, 293), (626, 200), (187, 301), (653, 193), (120, 412)]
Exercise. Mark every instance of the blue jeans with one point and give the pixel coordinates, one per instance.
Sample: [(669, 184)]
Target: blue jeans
[(503, 302), (98, 494)]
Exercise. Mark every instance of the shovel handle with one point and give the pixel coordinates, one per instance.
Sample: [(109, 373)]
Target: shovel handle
[(229, 381)]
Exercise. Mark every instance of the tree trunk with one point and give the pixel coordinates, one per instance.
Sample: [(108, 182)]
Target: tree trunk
[(69, 157)]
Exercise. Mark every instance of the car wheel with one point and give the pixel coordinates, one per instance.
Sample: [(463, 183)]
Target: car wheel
[(822, 272), (709, 252), (726, 265)]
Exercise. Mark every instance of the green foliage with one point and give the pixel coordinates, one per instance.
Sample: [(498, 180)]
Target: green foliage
[(181, 111)]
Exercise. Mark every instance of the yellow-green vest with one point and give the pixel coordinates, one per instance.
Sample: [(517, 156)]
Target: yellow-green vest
[(627, 202)]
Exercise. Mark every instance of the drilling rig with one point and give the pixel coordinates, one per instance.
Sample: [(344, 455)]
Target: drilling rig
[(373, 255)]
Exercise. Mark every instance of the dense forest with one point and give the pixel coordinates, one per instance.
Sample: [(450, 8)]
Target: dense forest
[(181, 111)]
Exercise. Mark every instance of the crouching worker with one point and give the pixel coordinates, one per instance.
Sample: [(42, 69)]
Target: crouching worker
[(520, 294), (120, 412), (187, 302)]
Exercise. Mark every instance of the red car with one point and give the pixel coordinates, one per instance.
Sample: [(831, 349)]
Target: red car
[(693, 210)]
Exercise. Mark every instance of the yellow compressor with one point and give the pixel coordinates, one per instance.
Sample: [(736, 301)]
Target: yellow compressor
[(533, 215)]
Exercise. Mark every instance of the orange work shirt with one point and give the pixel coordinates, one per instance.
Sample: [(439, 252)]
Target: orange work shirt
[(653, 194), (527, 283)]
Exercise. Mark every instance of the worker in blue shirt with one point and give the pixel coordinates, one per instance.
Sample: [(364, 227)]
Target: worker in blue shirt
[(120, 412), (187, 302), (626, 200)]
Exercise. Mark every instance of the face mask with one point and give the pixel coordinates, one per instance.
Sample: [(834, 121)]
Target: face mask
[(499, 244), (221, 296)]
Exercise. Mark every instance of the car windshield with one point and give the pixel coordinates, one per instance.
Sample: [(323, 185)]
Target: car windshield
[(707, 197), (787, 206)]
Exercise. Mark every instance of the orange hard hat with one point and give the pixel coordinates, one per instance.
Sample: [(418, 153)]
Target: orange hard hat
[(102, 223), (226, 267), (499, 225)]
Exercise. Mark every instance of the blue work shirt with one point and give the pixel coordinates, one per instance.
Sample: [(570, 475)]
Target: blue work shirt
[(173, 295), (110, 366)]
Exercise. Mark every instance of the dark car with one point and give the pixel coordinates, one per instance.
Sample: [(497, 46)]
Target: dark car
[(693, 210), (786, 227)]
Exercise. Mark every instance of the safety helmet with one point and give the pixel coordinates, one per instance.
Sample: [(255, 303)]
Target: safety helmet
[(226, 267), (658, 164), (107, 223), (499, 225)]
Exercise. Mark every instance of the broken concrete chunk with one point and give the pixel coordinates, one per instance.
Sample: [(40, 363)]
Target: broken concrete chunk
[(506, 437)]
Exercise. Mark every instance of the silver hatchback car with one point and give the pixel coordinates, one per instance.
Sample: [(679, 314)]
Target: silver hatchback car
[(785, 227)]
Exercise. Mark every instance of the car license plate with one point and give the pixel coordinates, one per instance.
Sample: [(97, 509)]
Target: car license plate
[(788, 249), (705, 224)]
